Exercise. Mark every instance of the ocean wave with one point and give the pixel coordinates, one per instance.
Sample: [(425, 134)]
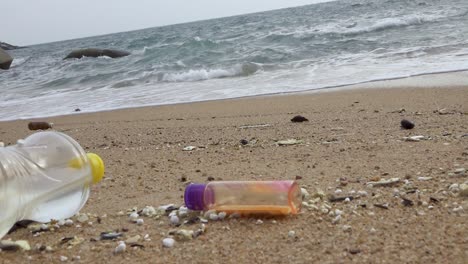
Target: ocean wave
[(245, 69)]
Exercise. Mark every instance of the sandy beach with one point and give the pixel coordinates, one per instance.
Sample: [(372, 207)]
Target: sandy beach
[(353, 137)]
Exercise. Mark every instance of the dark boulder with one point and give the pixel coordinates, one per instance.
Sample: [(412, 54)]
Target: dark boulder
[(78, 54), (5, 60)]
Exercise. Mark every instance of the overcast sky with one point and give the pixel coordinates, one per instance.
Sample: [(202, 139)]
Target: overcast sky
[(27, 22)]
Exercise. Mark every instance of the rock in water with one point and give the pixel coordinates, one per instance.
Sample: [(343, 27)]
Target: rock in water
[(406, 124), (78, 54), (5, 60)]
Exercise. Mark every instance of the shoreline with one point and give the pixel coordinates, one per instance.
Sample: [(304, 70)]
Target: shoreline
[(447, 79), (352, 137)]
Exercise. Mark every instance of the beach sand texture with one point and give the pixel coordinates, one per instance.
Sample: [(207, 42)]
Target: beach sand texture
[(354, 135)]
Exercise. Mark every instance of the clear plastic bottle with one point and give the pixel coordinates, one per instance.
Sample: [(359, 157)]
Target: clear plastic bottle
[(43, 177), (245, 197)]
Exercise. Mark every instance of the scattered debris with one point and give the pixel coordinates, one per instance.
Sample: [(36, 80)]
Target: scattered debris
[(406, 124), (289, 142), (299, 119)]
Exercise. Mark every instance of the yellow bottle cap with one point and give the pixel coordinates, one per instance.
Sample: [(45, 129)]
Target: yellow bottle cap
[(97, 167)]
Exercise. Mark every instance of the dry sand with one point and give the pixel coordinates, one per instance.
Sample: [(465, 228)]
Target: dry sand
[(353, 134)]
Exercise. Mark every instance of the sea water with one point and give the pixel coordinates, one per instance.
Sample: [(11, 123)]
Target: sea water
[(311, 47)]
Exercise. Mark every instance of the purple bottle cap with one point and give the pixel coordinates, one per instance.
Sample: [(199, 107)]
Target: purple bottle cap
[(194, 196)]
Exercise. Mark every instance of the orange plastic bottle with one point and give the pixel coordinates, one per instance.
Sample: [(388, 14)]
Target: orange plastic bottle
[(245, 197)]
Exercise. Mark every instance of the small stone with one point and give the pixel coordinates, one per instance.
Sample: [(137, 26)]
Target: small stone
[(299, 119), (174, 220), (259, 222), (168, 242), (63, 258), (460, 171), (9, 245), (338, 191), (244, 142), (454, 188), (372, 230), (274, 222), (458, 209), (347, 228), (362, 193), (148, 211), (189, 148), (414, 138), (121, 247), (133, 217), (183, 235), (336, 220), (221, 215), (305, 194), (406, 124), (347, 200), (463, 189), (213, 217), (133, 239), (139, 221), (82, 218), (291, 233)]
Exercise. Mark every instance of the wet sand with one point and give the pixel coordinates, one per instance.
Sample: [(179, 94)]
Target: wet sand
[(352, 137)]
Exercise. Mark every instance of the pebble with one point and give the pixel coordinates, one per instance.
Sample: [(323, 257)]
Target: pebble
[(454, 188), (406, 124), (305, 194), (120, 248), (338, 191), (189, 148), (133, 239), (463, 189), (183, 235), (347, 200), (362, 193), (63, 258), (259, 222), (291, 233), (168, 242), (222, 215), (372, 230), (347, 228), (9, 245), (175, 220), (213, 217), (139, 221), (458, 209), (336, 219), (82, 218), (133, 217), (460, 171), (148, 211)]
